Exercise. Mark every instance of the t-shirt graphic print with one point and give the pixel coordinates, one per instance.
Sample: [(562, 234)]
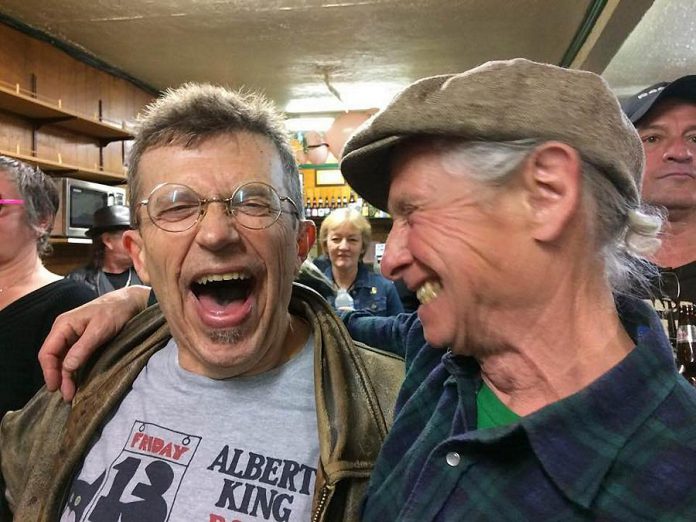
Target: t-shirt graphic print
[(182, 447)]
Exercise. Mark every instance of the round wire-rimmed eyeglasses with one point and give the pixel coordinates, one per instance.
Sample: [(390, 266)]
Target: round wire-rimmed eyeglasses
[(175, 207)]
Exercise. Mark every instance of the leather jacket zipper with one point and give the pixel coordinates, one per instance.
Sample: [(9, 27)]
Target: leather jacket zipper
[(325, 491)]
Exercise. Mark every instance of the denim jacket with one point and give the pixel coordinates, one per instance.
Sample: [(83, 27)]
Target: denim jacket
[(372, 292)]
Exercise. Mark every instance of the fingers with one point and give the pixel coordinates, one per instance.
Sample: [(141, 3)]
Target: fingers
[(77, 334), (97, 332), (91, 332), (67, 386), (59, 339)]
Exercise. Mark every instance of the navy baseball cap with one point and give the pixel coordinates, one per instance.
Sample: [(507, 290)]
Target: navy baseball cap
[(639, 104)]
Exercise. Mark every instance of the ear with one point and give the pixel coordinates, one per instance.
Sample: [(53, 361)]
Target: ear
[(107, 240), (133, 243), (306, 235), (552, 180), (44, 226)]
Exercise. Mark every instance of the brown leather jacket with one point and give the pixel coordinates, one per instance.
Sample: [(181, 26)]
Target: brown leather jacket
[(356, 386)]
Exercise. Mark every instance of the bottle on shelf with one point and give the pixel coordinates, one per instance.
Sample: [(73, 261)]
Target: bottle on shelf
[(344, 201), (321, 207), (365, 209), (333, 202), (344, 301), (315, 208), (352, 198), (308, 206)]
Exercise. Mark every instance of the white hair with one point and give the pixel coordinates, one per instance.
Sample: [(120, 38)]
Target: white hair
[(626, 231)]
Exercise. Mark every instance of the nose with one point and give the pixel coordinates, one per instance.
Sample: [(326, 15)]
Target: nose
[(397, 256), (679, 151), (343, 245), (217, 228)]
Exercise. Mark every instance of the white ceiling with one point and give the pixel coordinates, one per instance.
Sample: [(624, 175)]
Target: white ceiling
[(364, 49), (661, 48)]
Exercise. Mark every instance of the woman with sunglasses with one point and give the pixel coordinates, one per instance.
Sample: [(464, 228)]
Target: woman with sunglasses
[(30, 295)]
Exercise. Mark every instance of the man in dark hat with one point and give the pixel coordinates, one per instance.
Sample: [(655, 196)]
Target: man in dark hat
[(665, 116), (111, 266)]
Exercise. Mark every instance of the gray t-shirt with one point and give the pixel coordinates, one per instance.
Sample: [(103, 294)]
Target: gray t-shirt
[(186, 448)]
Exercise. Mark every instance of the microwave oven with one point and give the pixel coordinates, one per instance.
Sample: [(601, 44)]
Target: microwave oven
[(78, 201)]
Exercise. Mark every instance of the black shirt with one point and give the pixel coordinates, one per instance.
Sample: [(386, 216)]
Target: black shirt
[(24, 324), (681, 280)]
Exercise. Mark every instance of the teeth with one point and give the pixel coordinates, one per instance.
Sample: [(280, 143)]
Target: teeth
[(221, 277), (428, 292)]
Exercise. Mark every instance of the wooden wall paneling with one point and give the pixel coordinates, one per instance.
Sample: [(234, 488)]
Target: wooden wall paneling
[(46, 83), (56, 77), (67, 257), (90, 87), (112, 154), (13, 57), (79, 87), (14, 132), (64, 146), (112, 101)]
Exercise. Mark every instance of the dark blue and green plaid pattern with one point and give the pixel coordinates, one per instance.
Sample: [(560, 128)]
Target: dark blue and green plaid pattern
[(624, 448)]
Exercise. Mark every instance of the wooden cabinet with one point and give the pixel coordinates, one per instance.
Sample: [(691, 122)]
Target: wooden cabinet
[(66, 116), (43, 112)]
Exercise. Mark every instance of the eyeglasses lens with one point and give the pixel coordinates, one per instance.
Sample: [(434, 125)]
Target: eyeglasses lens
[(174, 207)]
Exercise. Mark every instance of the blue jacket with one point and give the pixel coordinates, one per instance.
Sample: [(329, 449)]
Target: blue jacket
[(372, 292)]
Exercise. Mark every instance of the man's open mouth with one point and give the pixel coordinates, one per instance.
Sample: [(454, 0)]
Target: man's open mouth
[(216, 292)]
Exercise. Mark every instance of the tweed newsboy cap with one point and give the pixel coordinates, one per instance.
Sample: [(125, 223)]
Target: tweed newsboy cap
[(500, 101)]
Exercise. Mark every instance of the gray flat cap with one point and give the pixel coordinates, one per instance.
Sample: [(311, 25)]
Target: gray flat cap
[(500, 101)]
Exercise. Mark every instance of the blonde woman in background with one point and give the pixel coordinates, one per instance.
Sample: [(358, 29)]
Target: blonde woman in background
[(344, 236)]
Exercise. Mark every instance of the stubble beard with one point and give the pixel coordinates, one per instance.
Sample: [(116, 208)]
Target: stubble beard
[(226, 335)]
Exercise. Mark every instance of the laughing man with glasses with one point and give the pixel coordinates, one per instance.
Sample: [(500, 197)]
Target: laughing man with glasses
[(239, 397)]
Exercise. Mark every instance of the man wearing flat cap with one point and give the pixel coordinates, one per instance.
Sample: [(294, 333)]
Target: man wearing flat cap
[(665, 116), (111, 266), (536, 388)]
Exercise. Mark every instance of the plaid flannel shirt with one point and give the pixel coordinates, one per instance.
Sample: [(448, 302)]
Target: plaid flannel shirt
[(623, 448)]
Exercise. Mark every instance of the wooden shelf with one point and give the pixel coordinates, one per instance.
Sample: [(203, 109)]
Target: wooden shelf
[(46, 113), (58, 168)]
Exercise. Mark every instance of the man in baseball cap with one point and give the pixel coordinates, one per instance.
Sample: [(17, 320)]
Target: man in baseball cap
[(111, 266), (534, 389), (665, 116)]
